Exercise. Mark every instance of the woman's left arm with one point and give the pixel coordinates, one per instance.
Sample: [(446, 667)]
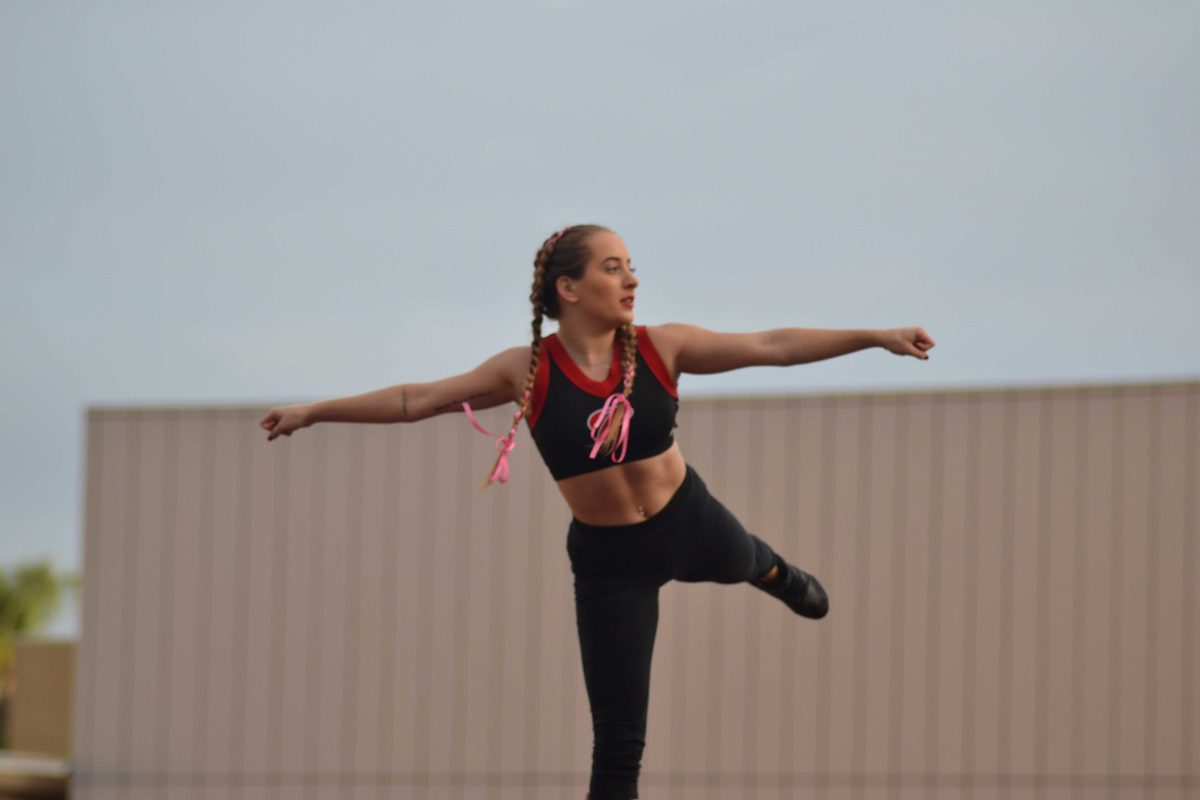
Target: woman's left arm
[(696, 350), (805, 345)]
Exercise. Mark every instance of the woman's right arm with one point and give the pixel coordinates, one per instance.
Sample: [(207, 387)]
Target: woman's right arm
[(490, 384)]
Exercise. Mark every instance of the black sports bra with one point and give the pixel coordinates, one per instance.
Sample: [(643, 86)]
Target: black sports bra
[(564, 399)]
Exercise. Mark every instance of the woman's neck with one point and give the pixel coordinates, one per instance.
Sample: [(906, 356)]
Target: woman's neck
[(587, 347)]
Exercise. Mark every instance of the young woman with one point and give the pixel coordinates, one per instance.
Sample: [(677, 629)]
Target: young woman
[(600, 399)]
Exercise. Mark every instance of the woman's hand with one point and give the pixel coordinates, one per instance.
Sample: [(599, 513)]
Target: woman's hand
[(283, 420), (907, 342)]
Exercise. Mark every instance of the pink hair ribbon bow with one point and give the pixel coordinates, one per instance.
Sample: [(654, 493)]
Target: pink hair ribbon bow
[(504, 444), (600, 420)]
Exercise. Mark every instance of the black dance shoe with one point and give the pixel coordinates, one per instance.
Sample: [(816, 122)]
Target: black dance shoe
[(802, 592)]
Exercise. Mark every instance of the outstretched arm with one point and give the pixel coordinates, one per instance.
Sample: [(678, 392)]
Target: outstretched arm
[(488, 385), (805, 345), (700, 351)]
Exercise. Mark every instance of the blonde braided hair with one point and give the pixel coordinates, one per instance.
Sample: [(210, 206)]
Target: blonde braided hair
[(565, 252)]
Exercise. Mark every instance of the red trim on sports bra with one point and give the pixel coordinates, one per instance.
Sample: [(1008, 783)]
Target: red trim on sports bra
[(601, 389), (655, 362), (541, 383)]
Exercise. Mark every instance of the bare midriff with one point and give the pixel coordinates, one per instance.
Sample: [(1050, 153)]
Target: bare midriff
[(625, 494)]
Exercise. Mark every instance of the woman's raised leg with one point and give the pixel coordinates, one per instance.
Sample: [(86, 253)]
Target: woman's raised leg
[(708, 543)]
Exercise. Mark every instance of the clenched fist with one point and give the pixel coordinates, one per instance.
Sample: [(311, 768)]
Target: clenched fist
[(907, 342), (283, 420)]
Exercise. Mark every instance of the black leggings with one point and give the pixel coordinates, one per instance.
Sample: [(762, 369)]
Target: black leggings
[(618, 571)]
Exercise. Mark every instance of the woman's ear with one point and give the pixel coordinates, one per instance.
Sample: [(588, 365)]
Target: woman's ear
[(566, 289)]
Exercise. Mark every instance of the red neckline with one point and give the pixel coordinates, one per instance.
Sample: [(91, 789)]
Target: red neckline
[(567, 364)]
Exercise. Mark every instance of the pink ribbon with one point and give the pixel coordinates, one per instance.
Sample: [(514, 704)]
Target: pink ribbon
[(504, 444), (603, 418)]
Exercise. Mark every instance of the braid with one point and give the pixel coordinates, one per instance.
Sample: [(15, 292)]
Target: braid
[(535, 296), (628, 334), (566, 255)]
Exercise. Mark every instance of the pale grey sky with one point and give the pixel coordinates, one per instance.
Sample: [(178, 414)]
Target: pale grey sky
[(260, 203)]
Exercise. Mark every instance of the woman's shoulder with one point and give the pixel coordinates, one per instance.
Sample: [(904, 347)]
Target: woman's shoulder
[(520, 357), (663, 346), (664, 338), (514, 364)]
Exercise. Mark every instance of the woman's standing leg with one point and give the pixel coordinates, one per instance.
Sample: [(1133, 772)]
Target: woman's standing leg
[(617, 620), (618, 572)]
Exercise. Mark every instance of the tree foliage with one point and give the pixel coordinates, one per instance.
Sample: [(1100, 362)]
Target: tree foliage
[(30, 596)]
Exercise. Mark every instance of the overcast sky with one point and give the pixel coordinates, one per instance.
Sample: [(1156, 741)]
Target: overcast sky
[(247, 203)]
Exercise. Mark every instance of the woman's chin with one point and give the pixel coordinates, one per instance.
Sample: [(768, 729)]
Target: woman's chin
[(623, 317)]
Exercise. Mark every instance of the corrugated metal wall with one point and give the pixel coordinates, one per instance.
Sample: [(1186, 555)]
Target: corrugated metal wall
[(343, 614)]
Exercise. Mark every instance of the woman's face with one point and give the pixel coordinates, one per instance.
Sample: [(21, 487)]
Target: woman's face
[(608, 284)]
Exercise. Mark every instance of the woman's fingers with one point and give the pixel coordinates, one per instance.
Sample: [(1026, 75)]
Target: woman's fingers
[(280, 423), (913, 342), (919, 342), (269, 422)]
